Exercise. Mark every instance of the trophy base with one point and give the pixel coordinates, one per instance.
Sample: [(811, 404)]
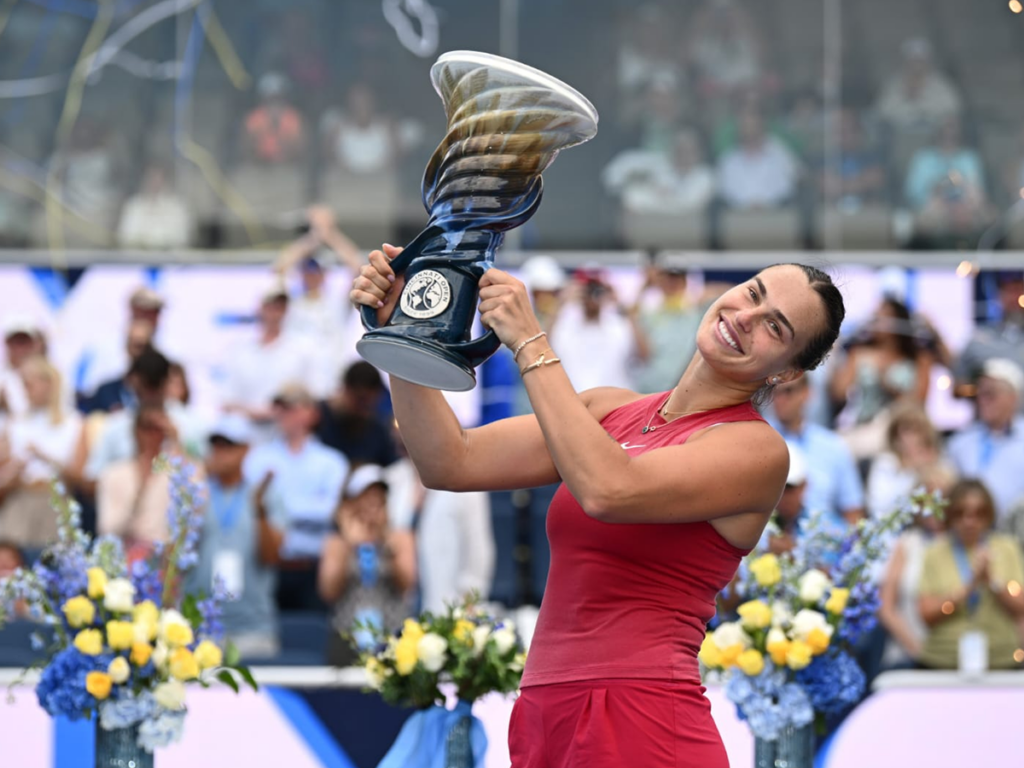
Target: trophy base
[(417, 361)]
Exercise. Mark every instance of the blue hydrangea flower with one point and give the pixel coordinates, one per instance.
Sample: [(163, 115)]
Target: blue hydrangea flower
[(834, 682), (127, 710), (61, 688), (769, 703), (166, 728)]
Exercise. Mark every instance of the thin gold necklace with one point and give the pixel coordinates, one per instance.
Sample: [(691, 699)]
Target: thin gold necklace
[(648, 428)]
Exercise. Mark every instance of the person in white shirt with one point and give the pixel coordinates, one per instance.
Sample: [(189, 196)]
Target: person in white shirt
[(917, 98), (22, 340), (258, 370), (155, 217), (761, 172), (597, 337), (649, 184), (42, 445)]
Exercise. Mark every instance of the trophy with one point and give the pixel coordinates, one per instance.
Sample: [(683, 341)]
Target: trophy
[(506, 124)]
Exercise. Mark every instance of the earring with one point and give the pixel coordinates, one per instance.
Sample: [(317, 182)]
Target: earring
[(775, 380)]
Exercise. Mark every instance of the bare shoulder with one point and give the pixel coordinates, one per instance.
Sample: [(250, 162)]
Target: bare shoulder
[(601, 401), (749, 442)]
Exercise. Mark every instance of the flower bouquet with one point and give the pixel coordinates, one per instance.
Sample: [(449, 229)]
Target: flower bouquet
[(786, 660), (119, 640), (465, 649)]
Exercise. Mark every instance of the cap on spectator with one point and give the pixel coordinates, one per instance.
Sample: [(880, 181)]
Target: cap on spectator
[(672, 263), (315, 262), (274, 292), (363, 478), (916, 48), (543, 273), (591, 274), (1006, 371), (234, 428), (293, 393), (15, 325), (797, 465), (145, 298)]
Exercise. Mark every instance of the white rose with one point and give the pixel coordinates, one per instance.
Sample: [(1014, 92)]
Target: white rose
[(480, 637), (169, 618), (775, 635), (730, 633), (504, 640), (119, 670), (170, 695), (781, 615), (813, 586), (159, 656), (807, 620), (432, 651), (119, 596)]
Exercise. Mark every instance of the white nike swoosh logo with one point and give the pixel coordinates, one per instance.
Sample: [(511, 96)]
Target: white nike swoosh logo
[(627, 446)]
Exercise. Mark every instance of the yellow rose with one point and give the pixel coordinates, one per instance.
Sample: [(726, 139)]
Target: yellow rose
[(120, 635), (766, 570), (836, 602), (208, 655), (183, 665), (147, 621), (818, 641), (755, 614), (178, 635), (777, 645), (751, 662), (97, 582), (731, 654), (141, 653), (98, 684), (119, 670), (406, 655), (709, 653), (89, 642), (79, 611), (798, 655), (463, 632), (412, 630)]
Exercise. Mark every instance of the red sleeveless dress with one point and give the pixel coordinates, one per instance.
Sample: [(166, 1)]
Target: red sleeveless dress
[(612, 677)]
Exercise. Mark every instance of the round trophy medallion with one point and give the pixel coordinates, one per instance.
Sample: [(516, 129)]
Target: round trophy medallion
[(426, 295)]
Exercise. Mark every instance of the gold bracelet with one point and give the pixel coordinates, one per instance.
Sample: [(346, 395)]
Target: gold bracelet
[(521, 344), (540, 361)]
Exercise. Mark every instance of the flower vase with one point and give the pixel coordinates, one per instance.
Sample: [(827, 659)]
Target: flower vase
[(793, 749), (458, 751), (119, 748)]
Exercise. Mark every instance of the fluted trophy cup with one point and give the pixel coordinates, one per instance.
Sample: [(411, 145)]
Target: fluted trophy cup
[(506, 124)]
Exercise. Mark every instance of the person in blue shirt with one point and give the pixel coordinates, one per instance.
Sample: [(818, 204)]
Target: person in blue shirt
[(834, 486), (992, 448), (304, 479), (240, 543)]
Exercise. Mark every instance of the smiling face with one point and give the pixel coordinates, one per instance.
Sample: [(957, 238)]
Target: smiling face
[(758, 328)]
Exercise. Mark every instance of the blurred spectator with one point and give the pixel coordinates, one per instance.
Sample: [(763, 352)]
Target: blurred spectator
[(669, 327), (856, 176), (805, 127), (971, 582), (544, 279), (884, 365), (661, 119), (454, 538), (367, 570), (360, 140), (649, 53), (725, 49), (42, 447), (833, 485), (274, 131), (11, 558), (790, 511), (155, 218), (147, 379), (258, 370), (304, 481), (595, 338), (761, 172), (116, 394), (914, 453), (918, 97), (899, 593), (89, 168), (132, 498), (1003, 339), (647, 183), (350, 420), (178, 390), (992, 449), (240, 543), (945, 184), (22, 340), (299, 51)]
